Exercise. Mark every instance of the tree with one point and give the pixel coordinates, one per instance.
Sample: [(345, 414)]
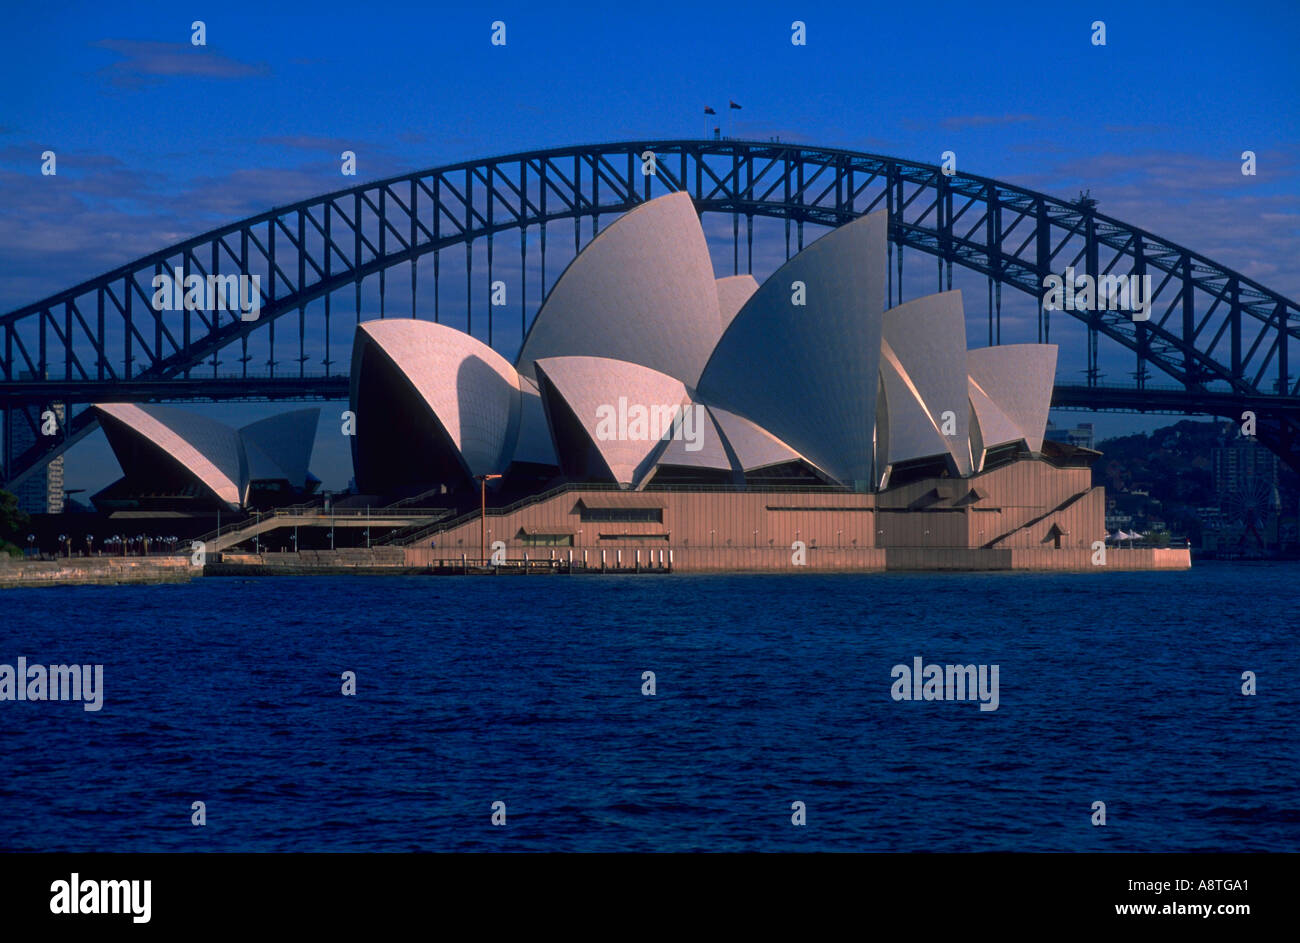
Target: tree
[(1159, 536), (12, 522)]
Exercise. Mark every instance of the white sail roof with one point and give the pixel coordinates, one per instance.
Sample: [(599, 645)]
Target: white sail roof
[(926, 339), (623, 408), (642, 291), (280, 446), (912, 430), (808, 373), (533, 444), (471, 390), (1018, 378), (754, 446), (699, 444), (207, 449), (990, 426), (733, 292)]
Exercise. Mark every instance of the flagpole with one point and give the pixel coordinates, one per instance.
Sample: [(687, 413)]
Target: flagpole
[(731, 106)]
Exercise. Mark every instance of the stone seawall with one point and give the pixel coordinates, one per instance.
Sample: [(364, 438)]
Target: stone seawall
[(378, 560), (411, 560), (95, 571), (828, 559)]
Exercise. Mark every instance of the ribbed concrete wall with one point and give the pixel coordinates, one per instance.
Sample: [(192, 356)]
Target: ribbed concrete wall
[(908, 558), (1078, 526), (1078, 561), (1020, 494), (691, 520), (931, 513), (1004, 500), (815, 560), (930, 524), (1138, 558)]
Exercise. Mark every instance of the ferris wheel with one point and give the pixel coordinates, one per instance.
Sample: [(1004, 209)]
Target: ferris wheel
[(1250, 507)]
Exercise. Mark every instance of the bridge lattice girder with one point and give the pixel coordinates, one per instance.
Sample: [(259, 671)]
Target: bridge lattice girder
[(1213, 330)]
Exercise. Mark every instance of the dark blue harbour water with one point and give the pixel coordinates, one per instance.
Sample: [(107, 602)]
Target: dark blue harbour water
[(1123, 688)]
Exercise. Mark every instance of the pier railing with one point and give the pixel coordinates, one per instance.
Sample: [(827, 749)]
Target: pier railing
[(253, 524)]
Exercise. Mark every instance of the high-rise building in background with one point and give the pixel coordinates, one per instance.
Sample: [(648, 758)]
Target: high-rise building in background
[(1246, 472), (1081, 436), (42, 492), (1246, 482)]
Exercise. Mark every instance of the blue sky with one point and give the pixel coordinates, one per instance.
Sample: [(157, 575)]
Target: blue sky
[(158, 140)]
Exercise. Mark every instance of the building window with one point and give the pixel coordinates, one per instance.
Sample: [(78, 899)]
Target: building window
[(622, 515), (546, 540)]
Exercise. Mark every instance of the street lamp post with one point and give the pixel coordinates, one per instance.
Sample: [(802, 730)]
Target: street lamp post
[(482, 517)]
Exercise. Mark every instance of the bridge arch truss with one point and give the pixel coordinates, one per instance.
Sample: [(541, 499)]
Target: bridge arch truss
[(1227, 342)]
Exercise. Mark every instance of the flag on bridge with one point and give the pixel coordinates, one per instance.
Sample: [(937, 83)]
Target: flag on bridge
[(734, 105), (709, 111)]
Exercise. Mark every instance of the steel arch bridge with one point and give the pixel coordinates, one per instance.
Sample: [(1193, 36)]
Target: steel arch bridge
[(1226, 341)]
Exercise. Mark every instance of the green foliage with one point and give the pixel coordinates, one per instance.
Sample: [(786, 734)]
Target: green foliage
[(1167, 474), (1158, 537), (1172, 465), (12, 520)]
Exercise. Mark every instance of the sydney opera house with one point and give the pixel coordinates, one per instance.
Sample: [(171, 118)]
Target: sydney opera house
[(178, 461), (642, 369), (654, 408), (656, 412)]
